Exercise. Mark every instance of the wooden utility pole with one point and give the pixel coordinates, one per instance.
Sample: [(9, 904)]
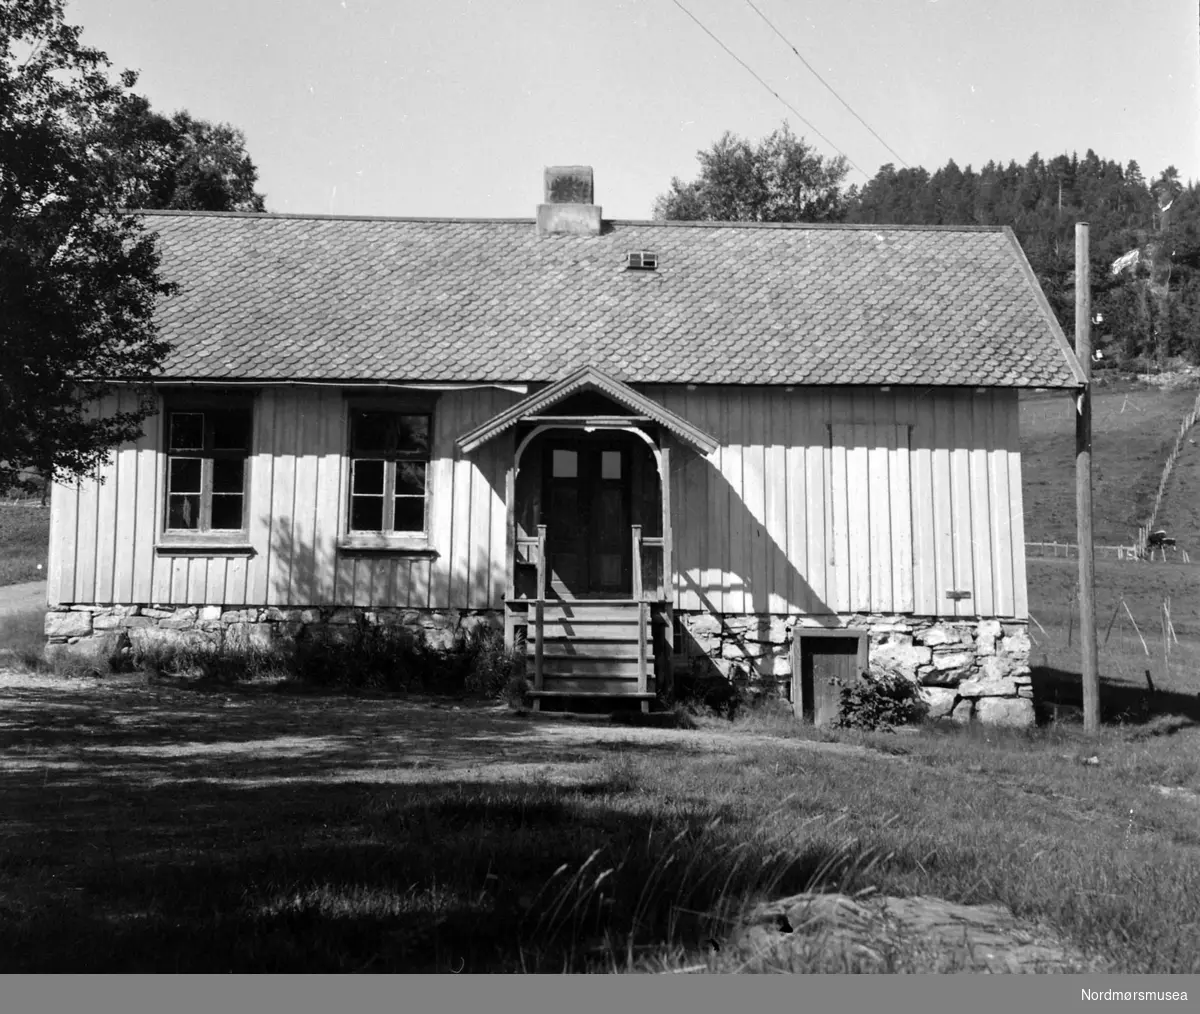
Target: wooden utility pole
[(1083, 485)]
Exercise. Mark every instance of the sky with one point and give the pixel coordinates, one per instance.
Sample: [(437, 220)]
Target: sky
[(452, 108)]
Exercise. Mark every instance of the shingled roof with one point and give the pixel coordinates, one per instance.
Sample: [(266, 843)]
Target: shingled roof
[(315, 298)]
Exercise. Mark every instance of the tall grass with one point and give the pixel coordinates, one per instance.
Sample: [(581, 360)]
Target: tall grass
[(359, 657), (22, 638)]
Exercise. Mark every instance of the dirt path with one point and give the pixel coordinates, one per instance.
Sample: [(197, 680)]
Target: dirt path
[(166, 732)]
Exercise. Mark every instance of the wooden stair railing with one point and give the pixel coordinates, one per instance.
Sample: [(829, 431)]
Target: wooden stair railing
[(539, 675), (639, 598)]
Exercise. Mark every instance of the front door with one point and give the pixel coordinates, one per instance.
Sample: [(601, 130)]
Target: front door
[(586, 514)]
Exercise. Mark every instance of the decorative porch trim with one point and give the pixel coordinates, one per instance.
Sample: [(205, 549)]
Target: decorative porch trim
[(588, 378)]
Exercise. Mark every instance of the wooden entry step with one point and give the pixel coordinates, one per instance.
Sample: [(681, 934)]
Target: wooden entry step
[(590, 649), (543, 694)]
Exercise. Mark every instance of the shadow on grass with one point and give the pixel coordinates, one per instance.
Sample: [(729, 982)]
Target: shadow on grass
[(274, 835), (1119, 702)]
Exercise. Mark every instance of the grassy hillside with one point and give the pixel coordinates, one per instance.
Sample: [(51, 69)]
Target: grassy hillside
[(1179, 514), (1133, 430)]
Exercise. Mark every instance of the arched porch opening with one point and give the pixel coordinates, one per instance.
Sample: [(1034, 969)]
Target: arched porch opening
[(596, 494), (588, 535)]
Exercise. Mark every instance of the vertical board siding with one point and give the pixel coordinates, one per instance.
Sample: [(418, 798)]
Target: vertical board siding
[(825, 500), (124, 513), (960, 506), (982, 449), (328, 507), (776, 481), (1009, 418), (64, 514), (260, 519), (103, 531), (283, 554), (817, 500), (814, 506), (942, 423), (302, 577), (924, 516), (873, 503), (91, 490), (716, 562), (900, 470), (754, 484)]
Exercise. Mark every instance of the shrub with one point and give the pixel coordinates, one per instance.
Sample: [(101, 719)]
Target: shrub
[(702, 690), (365, 656), (881, 699), (516, 692), (488, 666), (223, 659)]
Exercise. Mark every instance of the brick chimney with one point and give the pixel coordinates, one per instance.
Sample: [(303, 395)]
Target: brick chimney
[(568, 210)]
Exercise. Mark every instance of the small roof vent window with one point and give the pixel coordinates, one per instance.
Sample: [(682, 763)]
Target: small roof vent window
[(642, 260)]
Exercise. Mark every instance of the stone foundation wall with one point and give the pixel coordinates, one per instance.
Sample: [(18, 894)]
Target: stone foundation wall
[(968, 669), (100, 630)]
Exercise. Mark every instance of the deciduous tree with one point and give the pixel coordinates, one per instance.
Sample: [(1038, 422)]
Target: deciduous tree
[(780, 178), (79, 276), (179, 161)]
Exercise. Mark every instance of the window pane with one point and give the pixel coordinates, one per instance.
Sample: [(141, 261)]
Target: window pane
[(184, 475), (371, 431), (412, 435), (227, 475), (410, 514), (565, 465), (227, 511), (366, 513), (410, 478), (230, 431), (183, 511), (610, 464), (368, 477), (390, 433), (187, 431)]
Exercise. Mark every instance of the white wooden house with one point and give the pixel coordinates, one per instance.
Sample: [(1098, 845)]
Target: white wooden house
[(777, 451)]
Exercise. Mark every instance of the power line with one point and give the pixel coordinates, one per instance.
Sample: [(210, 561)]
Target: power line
[(832, 90), (752, 72)]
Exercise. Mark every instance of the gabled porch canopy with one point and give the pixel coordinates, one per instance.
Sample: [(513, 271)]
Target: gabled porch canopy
[(589, 378)]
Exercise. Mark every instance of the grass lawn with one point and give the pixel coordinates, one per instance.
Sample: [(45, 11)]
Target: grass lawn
[(24, 534), (1124, 658), (1133, 431), (162, 828)]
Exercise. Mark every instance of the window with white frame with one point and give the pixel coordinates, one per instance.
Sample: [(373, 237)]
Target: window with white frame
[(207, 450), (389, 472)]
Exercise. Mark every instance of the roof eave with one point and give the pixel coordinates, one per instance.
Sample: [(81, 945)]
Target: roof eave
[(585, 378), (1056, 331)]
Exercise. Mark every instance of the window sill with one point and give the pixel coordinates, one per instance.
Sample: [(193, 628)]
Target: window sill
[(398, 545), (204, 547)]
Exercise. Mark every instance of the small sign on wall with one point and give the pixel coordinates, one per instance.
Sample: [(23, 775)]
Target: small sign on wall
[(958, 596)]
